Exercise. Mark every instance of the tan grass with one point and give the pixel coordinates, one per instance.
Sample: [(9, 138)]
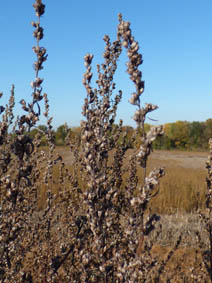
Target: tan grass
[(182, 189), (181, 193)]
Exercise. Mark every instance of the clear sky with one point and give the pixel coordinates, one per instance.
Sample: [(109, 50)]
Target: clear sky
[(175, 38)]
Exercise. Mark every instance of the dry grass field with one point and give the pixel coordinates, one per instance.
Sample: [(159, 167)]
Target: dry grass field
[(182, 189)]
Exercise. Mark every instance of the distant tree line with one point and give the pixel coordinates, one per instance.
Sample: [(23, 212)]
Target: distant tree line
[(185, 135), (181, 135), (59, 134)]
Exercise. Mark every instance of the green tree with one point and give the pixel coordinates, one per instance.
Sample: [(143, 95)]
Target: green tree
[(42, 129), (61, 134), (179, 134), (207, 132), (196, 134)]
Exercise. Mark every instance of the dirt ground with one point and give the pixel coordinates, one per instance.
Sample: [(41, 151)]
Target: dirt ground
[(183, 159)]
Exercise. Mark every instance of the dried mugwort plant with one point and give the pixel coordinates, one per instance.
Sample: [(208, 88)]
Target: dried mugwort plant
[(205, 273), (114, 211), (20, 173), (96, 229)]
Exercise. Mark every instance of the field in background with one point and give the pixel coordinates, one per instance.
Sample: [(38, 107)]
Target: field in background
[(182, 189)]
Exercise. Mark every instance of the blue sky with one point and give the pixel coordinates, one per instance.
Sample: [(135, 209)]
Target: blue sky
[(175, 40)]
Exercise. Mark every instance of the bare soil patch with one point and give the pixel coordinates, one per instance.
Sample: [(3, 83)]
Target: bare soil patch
[(183, 159)]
